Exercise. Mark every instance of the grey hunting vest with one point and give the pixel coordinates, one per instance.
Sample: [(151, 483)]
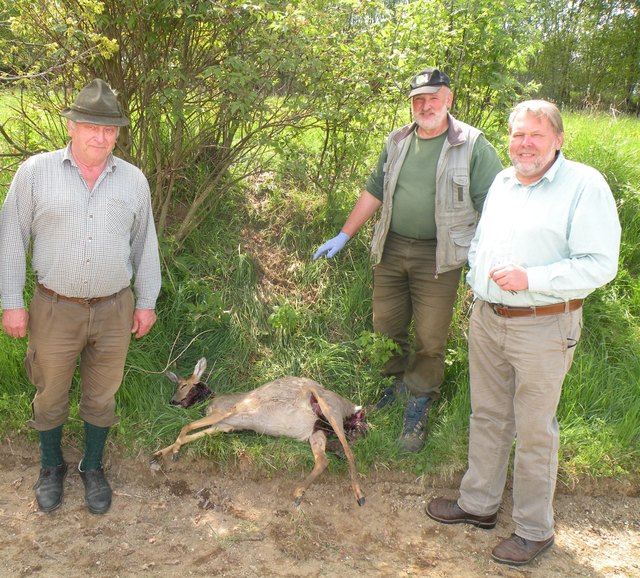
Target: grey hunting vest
[(456, 217)]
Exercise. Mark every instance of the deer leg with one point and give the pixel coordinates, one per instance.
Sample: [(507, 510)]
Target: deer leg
[(318, 441), (210, 422), (338, 428)]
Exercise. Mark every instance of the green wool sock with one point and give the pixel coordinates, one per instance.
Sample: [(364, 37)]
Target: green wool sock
[(94, 439), (50, 447)]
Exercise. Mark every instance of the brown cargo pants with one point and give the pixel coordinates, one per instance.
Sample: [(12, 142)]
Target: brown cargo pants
[(406, 288), (60, 332)]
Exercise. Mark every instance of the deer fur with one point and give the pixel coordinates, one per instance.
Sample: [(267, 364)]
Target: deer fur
[(294, 407)]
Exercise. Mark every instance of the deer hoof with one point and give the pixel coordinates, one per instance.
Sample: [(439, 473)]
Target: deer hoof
[(297, 501), (155, 464), (361, 501), (174, 457)]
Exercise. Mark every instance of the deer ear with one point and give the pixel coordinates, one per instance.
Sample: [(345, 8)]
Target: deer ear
[(200, 367), (172, 377)]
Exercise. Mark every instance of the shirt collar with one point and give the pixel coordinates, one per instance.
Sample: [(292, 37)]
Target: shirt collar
[(68, 156)]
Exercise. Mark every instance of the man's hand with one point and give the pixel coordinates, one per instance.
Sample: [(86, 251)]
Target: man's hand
[(14, 322), (510, 277), (332, 246), (143, 320)]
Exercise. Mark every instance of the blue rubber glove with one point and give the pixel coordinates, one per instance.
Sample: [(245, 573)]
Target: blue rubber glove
[(332, 246)]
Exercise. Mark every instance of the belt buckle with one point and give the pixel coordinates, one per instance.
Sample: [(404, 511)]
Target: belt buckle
[(511, 312), (500, 310)]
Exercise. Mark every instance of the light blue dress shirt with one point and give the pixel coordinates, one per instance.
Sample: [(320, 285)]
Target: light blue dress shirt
[(564, 229)]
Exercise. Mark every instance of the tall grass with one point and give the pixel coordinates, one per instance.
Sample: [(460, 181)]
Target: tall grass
[(600, 408), (246, 295)]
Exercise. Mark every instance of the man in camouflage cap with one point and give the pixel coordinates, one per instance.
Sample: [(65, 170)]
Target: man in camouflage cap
[(429, 186)]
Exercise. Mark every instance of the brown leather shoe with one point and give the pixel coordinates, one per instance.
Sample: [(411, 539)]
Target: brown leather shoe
[(517, 551), (448, 512)]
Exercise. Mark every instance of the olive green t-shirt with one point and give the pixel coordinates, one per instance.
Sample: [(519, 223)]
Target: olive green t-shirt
[(414, 203)]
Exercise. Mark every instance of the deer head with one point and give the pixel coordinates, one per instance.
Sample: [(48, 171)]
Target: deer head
[(192, 390)]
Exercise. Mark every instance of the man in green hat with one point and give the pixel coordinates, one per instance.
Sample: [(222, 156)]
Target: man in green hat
[(87, 216)]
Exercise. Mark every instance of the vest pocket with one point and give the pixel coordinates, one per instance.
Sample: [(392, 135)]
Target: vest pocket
[(459, 194), (461, 237)]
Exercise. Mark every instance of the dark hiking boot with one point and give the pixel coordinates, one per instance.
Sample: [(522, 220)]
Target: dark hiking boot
[(415, 421), (389, 395), (97, 491), (50, 487)]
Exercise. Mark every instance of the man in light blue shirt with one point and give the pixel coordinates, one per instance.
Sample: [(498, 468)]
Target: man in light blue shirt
[(549, 235), (563, 229)]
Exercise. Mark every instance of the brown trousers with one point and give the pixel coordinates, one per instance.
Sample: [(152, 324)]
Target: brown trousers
[(59, 333), (406, 288)]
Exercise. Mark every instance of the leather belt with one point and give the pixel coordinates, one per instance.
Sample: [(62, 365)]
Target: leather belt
[(555, 309), (88, 302)]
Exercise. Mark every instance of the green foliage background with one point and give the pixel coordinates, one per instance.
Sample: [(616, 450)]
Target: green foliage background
[(219, 92)]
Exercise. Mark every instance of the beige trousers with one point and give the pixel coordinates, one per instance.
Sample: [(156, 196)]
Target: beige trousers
[(60, 332), (517, 367)]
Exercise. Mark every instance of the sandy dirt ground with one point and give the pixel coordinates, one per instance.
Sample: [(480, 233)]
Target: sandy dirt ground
[(191, 520)]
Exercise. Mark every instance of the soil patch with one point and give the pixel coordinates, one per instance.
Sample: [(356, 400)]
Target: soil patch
[(191, 520)]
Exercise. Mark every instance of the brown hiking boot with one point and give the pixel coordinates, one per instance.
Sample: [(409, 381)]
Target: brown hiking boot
[(517, 551), (448, 512)]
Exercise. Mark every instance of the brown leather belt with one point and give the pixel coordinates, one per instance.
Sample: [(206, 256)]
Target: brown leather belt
[(88, 302), (555, 309)]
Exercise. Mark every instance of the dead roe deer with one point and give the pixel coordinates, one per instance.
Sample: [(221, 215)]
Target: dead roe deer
[(294, 407)]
